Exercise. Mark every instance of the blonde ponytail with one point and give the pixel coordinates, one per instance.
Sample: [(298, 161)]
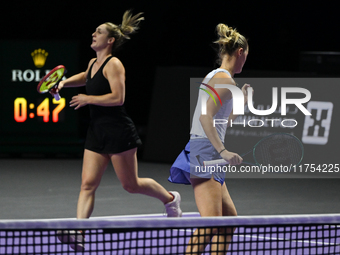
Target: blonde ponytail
[(130, 24), (229, 40)]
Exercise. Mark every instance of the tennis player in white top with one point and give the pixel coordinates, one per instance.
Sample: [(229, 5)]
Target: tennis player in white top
[(207, 141)]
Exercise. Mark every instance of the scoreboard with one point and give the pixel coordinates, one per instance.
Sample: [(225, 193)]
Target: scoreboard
[(31, 122)]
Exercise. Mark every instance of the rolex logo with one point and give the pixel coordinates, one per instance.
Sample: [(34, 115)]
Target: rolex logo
[(39, 57)]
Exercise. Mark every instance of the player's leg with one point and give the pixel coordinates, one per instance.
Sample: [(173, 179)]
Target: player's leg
[(94, 165), (126, 168), (228, 209), (208, 196)]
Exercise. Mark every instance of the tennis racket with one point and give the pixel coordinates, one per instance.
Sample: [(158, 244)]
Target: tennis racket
[(51, 80), (275, 150)]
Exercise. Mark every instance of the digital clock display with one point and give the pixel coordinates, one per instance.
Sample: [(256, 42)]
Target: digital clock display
[(29, 121), (42, 110)]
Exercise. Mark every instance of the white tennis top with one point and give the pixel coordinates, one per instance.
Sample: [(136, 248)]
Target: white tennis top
[(224, 112)]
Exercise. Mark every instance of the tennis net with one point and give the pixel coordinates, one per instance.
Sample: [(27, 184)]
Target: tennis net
[(191, 234)]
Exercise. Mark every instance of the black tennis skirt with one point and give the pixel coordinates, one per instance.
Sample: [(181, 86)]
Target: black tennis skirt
[(111, 137)]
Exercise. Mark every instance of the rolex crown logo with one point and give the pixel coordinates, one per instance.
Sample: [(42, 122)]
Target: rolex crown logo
[(39, 57)]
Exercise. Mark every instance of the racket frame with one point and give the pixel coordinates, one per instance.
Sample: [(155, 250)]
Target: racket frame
[(287, 134), (54, 82)]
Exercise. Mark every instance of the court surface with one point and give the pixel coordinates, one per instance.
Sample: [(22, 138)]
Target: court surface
[(49, 188)]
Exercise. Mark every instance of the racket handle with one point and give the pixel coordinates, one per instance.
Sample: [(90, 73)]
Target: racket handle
[(219, 162), (56, 96)]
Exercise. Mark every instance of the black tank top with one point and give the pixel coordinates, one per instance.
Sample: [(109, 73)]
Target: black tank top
[(99, 85)]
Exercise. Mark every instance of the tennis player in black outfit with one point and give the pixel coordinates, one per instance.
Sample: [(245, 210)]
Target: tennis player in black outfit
[(111, 134)]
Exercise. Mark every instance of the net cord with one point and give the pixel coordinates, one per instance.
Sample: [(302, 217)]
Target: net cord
[(163, 222)]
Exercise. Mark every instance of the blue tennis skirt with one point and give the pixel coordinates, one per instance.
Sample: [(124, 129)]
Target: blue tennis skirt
[(189, 163)]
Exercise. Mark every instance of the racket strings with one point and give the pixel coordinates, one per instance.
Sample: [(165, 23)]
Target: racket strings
[(248, 157), (279, 150)]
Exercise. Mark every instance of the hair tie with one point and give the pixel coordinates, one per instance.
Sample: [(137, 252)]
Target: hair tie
[(222, 150)]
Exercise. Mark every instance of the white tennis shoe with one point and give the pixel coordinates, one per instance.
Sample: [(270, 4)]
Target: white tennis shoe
[(74, 238), (173, 208)]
